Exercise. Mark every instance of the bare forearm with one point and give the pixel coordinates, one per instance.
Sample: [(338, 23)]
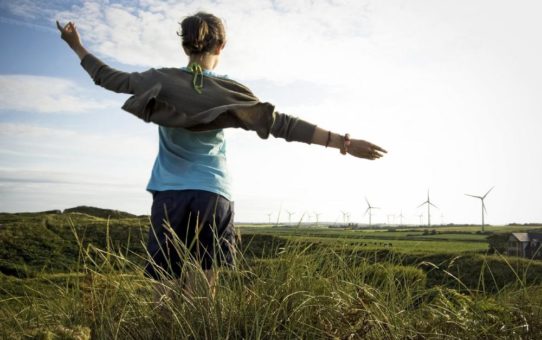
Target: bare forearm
[(321, 136), (80, 51)]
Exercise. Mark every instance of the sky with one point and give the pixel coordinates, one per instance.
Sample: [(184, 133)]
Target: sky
[(452, 89)]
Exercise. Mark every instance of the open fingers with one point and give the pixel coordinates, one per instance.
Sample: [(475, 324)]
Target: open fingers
[(376, 147), (373, 154), (69, 27)]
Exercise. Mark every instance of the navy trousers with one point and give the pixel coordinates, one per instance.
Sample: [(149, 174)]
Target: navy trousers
[(189, 225)]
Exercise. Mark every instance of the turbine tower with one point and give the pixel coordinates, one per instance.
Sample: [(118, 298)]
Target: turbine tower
[(290, 213), (317, 217), (429, 204), (269, 217), (483, 205), (346, 216), (369, 210)]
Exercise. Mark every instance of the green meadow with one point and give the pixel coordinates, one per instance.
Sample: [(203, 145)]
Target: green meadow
[(400, 240), (79, 275)]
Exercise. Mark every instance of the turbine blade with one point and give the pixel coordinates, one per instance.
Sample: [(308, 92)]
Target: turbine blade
[(366, 200), (488, 191), (474, 196), (484, 207), (433, 205), (366, 211), (422, 204)]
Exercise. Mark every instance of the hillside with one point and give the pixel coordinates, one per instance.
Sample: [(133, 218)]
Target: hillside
[(37, 242), (99, 212)]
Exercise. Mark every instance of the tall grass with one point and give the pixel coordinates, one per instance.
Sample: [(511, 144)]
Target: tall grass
[(301, 291)]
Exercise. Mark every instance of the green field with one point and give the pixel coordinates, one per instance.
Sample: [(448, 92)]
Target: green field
[(446, 239), (79, 275)]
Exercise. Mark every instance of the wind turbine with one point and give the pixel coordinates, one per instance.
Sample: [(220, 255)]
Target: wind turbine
[(369, 210), (421, 218), (346, 216), (401, 218), (317, 217), (483, 205), (269, 217), (429, 204), (290, 213)]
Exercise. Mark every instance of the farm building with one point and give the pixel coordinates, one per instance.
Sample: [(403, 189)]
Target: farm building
[(525, 245)]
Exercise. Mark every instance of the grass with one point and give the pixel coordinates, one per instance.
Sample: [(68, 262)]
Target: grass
[(414, 246), (401, 241), (294, 295), (287, 284)]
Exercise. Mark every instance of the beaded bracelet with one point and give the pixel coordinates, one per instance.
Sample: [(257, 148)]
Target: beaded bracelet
[(347, 141)]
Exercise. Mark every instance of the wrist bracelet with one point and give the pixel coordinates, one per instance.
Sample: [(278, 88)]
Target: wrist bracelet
[(344, 149), (328, 138)]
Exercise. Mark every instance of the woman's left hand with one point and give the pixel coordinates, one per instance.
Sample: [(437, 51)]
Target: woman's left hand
[(70, 35), (363, 149)]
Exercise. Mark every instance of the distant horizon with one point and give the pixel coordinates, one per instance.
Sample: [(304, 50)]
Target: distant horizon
[(284, 223)]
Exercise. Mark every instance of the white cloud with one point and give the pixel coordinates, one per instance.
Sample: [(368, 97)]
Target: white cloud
[(39, 27), (21, 175), (55, 168), (22, 8), (46, 95), (72, 144), (278, 40), (102, 157), (23, 190)]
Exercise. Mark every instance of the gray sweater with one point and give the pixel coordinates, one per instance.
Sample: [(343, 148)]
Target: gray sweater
[(165, 96)]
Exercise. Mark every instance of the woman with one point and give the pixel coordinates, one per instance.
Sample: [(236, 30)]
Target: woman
[(192, 105)]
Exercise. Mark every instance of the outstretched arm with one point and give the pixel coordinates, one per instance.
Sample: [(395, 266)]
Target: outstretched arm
[(295, 129), (357, 147), (103, 75)]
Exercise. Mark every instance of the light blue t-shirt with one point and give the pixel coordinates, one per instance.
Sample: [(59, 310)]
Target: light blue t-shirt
[(191, 160)]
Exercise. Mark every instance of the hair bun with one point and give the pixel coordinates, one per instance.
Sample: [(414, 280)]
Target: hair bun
[(201, 32)]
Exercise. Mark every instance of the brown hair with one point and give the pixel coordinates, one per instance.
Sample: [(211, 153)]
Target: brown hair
[(202, 32)]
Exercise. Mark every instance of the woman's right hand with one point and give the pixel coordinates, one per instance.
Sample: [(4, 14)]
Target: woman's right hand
[(70, 35), (363, 149)]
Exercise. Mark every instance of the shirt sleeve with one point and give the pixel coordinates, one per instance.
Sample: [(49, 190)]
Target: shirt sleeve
[(292, 128), (112, 79)]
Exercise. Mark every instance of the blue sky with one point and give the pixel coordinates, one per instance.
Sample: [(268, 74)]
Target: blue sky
[(450, 88)]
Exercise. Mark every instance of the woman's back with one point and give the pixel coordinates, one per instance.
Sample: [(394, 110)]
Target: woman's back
[(191, 160)]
